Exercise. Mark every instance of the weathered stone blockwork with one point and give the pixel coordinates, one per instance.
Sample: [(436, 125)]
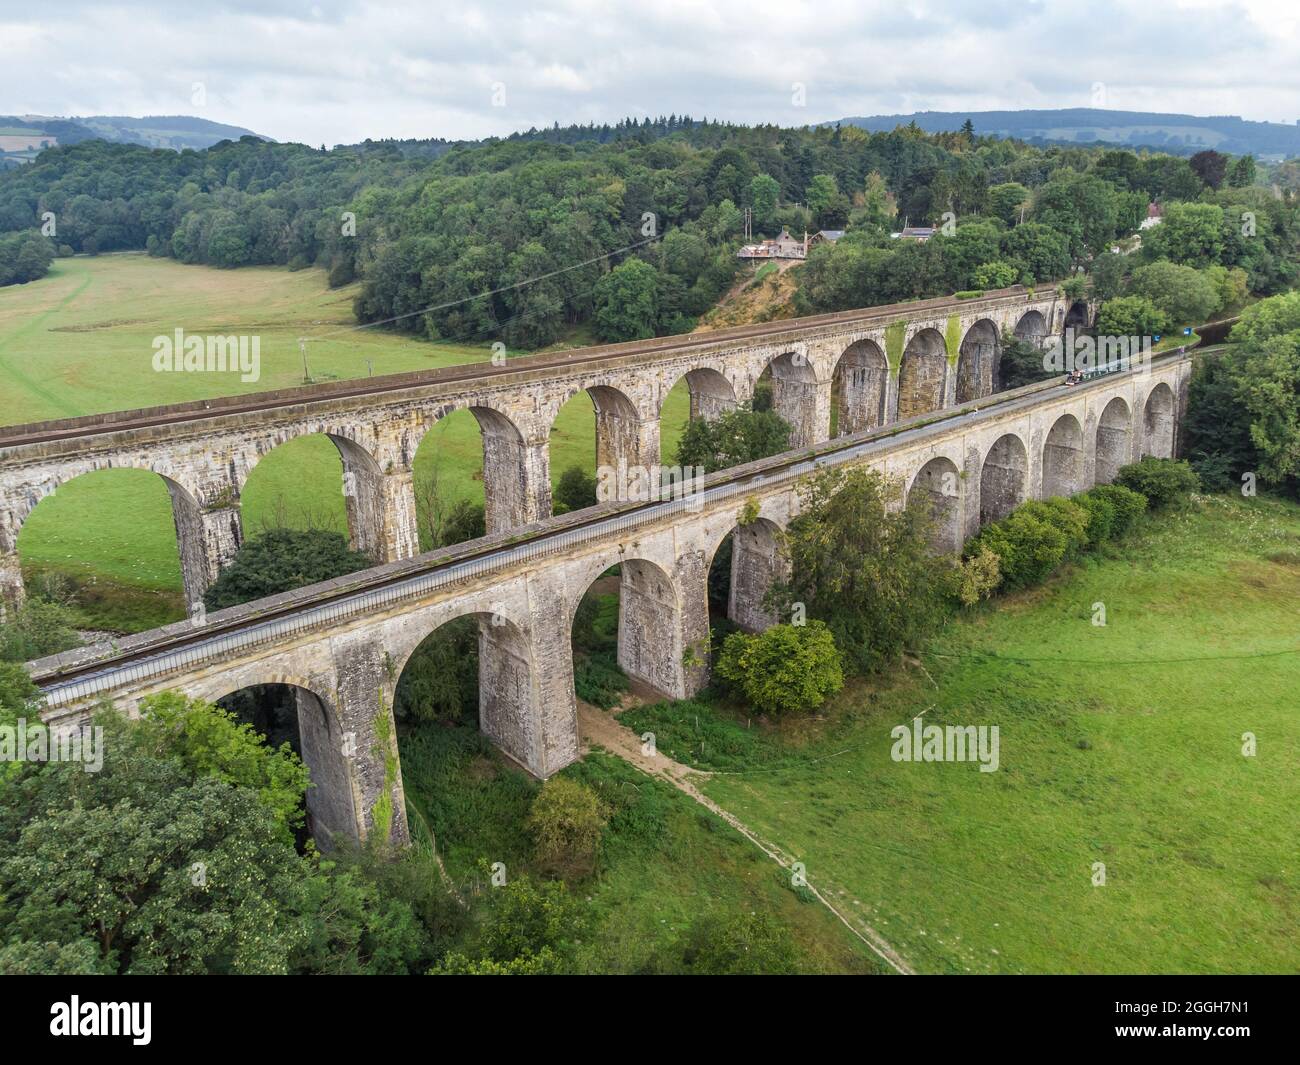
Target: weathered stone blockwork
[(972, 466), (206, 451)]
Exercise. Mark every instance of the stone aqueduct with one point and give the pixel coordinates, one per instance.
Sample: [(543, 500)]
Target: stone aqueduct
[(342, 645), (882, 364)]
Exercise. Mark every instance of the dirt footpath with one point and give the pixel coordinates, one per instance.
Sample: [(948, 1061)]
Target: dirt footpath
[(599, 728)]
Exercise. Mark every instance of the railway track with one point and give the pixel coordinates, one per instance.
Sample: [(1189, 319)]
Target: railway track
[(575, 359), (72, 677)]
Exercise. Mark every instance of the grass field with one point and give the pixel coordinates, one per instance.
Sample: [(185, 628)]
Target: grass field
[(665, 861), (1117, 746), (80, 341)]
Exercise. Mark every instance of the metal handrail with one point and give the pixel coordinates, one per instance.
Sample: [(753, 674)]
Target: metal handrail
[(203, 650)]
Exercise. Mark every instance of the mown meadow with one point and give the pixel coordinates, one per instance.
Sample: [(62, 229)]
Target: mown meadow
[(1121, 746), (80, 342)]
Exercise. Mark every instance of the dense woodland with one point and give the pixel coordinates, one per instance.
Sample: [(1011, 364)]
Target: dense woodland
[(526, 240), (632, 229)]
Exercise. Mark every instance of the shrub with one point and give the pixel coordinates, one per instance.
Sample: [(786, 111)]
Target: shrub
[(1128, 506), (997, 273), (977, 576), (1069, 517), (465, 521), (440, 680), (528, 930), (1028, 546), (24, 957), (692, 731), (595, 622), (787, 669), (24, 257), (1022, 363), (1131, 316), (1036, 537), (739, 944), (575, 490), (209, 742), (865, 567), (359, 927), (1164, 482), (281, 560), (598, 680), (744, 434), (566, 821), (38, 628), (529, 919), (1101, 516)]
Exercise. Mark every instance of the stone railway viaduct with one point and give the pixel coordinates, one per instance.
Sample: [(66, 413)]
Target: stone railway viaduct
[(880, 364), (342, 645)]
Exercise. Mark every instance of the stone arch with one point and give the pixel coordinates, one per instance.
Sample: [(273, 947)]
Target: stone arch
[(861, 387), (196, 568), (712, 393), (361, 485), (939, 484), (516, 475), (507, 679), (621, 434), (758, 561), (922, 375), (978, 361), (1158, 423), (650, 623), (1004, 478), (797, 397), (1063, 458), (516, 469), (330, 799), (363, 496), (1114, 440), (1032, 327), (1077, 316)]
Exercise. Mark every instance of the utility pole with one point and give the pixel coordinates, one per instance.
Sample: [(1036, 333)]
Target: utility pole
[(306, 373), (749, 225)]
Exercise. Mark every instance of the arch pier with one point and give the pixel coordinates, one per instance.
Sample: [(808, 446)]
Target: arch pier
[(758, 561), (347, 641), (862, 380), (1063, 458), (1114, 444), (887, 363), (324, 751)]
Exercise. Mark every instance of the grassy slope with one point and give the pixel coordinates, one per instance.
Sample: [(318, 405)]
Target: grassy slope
[(80, 342), (1138, 766), (665, 861)]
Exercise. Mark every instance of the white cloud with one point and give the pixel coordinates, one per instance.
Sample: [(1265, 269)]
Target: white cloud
[(341, 70)]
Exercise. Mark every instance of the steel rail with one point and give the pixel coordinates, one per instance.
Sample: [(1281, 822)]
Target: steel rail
[(574, 359), (81, 682)]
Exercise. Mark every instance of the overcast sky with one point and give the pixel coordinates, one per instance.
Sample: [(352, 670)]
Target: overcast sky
[(337, 71)]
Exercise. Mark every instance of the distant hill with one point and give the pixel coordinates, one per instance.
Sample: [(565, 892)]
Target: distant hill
[(1179, 134), (23, 136)]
